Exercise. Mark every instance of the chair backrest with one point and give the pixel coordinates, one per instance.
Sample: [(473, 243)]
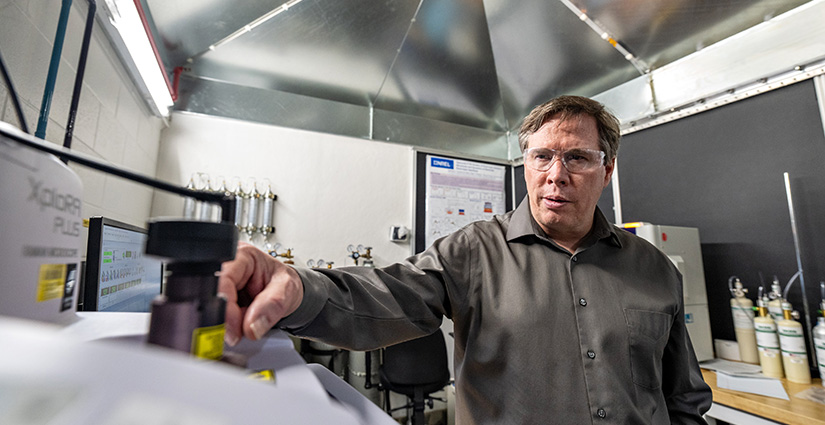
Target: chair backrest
[(419, 363)]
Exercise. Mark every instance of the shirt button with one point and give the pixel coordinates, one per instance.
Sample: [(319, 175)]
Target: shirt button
[(582, 302), (591, 354), (601, 413), (574, 258)]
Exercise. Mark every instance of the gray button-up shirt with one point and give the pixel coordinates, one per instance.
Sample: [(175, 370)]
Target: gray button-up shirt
[(541, 335)]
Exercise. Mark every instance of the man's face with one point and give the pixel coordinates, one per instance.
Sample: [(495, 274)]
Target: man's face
[(562, 202)]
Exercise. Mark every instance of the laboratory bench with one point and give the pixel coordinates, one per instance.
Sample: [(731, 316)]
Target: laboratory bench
[(793, 411)]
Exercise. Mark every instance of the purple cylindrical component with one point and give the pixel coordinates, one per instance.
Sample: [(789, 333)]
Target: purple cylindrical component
[(172, 323)]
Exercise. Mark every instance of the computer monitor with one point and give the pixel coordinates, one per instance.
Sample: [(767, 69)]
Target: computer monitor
[(118, 275)]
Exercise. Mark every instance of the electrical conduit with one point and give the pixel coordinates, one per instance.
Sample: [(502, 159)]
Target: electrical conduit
[(57, 49), (81, 69)]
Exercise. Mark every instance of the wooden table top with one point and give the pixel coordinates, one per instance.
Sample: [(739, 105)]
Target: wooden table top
[(795, 411)]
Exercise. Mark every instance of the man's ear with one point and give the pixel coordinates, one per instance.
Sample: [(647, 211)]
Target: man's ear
[(609, 167)]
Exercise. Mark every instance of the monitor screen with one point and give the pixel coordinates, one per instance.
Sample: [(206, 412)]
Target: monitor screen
[(119, 276)]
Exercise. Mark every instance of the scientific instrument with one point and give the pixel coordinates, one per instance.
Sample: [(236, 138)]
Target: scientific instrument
[(190, 204), (775, 303), (205, 209), (252, 210), (267, 201), (41, 231), (819, 335), (189, 316), (320, 264), (82, 381), (742, 310), (792, 342), (240, 203), (221, 188), (361, 252), (288, 254), (117, 275), (767, 340)]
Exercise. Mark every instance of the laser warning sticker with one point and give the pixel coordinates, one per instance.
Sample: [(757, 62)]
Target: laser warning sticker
[(51, 281), (267, 375), (207, 342)]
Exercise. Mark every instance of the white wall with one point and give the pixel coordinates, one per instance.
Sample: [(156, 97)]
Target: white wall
[(332, 190), (112, 123)]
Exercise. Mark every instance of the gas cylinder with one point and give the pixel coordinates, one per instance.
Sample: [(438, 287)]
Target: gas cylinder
[(742, 310), (819, 336), (767, 341), (792, 342)]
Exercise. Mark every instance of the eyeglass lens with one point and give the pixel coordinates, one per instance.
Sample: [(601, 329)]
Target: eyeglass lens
[(574, 160)]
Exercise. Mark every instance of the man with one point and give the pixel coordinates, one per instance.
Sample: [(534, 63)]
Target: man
[(559, 316)]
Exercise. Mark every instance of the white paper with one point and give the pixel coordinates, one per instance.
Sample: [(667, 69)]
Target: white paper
[(733, 368), (97, 325), (18, 397), (120, 383), (757, 384), (147, 409)]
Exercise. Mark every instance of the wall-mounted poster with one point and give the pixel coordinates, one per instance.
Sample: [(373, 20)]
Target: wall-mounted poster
[(459, 192)]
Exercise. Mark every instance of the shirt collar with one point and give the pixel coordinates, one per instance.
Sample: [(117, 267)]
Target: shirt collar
[(523, 224)]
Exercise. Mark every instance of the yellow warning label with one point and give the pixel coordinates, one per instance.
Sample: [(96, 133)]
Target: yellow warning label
[(267, 375), (50, 282), (207, 343)]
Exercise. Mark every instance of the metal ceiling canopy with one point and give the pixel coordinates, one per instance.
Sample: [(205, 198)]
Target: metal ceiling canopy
[(339, 50), (543, 49), (463, 68), (187, 28), (445, 69)]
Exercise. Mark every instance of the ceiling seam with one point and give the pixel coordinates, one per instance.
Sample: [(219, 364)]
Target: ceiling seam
[(246, 28), (506, 130), (637, 63), (397, 54)]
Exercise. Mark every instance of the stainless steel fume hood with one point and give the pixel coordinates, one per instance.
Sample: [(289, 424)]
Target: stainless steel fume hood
[(458, 75)]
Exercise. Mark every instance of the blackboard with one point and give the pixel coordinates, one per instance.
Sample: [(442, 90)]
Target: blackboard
[(722, 172)]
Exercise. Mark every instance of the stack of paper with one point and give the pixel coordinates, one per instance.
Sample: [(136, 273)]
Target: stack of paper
[(745, 377)]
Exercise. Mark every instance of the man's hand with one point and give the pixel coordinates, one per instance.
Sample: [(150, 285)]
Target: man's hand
[(259, 291)]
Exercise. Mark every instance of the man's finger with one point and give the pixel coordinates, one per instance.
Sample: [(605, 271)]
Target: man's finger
[(281, 296), (236, 273), (233, 324), (235, 277)]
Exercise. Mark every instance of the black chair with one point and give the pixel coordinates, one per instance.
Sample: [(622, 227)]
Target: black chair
[(416, 368)]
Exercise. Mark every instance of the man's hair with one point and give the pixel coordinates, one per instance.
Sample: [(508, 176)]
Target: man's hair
[(567, 107)]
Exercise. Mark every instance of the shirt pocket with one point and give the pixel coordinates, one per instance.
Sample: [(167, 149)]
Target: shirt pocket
[(648, 332)]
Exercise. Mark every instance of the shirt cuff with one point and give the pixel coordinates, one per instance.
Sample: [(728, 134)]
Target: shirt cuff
[(315, 296)]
